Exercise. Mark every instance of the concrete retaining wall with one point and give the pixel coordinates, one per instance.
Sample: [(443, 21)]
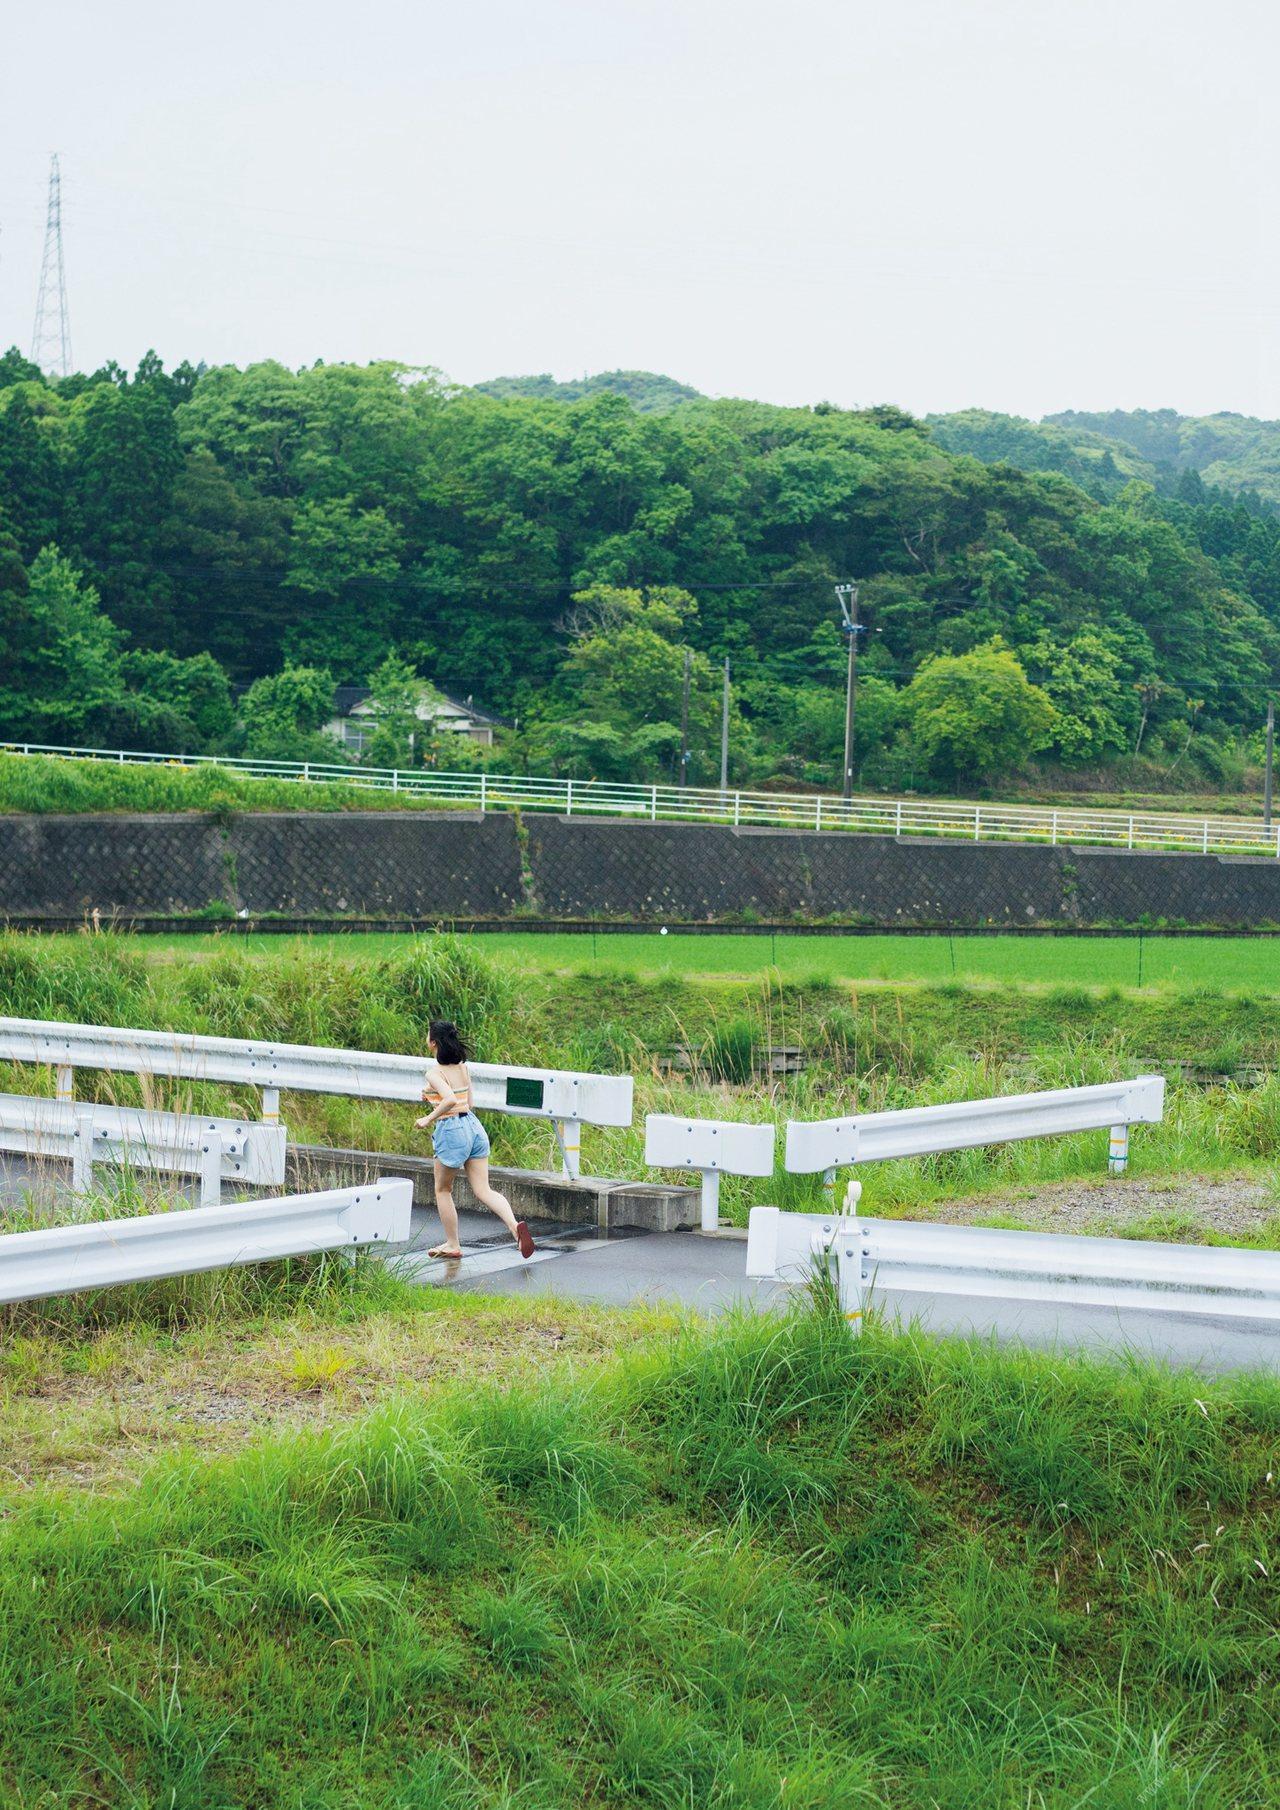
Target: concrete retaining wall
[(429, 866)]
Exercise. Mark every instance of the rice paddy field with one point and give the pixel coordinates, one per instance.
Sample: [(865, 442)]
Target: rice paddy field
[(1152, 960)]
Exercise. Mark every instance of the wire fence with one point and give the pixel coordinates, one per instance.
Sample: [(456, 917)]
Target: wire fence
[(485, 791)]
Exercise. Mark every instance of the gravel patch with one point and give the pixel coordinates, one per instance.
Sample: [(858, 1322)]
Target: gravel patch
[(1233, 1206)]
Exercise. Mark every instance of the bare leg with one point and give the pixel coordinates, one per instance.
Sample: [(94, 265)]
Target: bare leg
[(450, 1246), (477, 1168)]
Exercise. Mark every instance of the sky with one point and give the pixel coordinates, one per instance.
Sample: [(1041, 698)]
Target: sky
[(1023, 205)]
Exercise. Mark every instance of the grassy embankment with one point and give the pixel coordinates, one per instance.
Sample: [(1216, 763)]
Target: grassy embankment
[(869, 1045), (43, 783), (764, 1568)]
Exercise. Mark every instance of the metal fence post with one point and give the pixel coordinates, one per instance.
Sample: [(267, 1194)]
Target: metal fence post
[(653, 803), (710, 1200), (482, 794), (977, 822), (737, 809), (65, 1083), (568, 798), (1118, 1153), (569, 1138), (1131, 832), (1205, 849), (271, 1106), (82, 1159), (817, 812), (897, 820)]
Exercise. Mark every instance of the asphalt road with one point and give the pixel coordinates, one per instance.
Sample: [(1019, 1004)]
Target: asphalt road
[(708, 1274)]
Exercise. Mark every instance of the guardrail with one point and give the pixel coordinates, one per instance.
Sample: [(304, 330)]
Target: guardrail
[(102, 1253), (566, 1098), (486, 791), (825, 1145), (714, 1147), (910, 1257), (233, 1150)]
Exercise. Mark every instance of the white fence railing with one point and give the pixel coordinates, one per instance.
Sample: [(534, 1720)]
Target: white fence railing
[(714, 1147), (825, 1145), (102, 1253), (486, 791), (906, 1256), (171, 1143), (568, 1099)]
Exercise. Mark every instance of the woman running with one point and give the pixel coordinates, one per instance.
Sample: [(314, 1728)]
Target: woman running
[(459, 1140)]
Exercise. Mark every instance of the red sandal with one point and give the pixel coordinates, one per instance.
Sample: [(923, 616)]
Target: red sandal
[(524, 1239)]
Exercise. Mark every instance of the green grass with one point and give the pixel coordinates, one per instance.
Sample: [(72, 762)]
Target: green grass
[(767, 1567), (41, 785), (870, 1045), (1237, 963)]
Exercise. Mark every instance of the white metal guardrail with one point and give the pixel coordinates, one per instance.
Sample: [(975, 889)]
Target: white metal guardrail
[(712, 1146), (85, 1133), (568, 1099), (993, 822), (825, 1145), (102, 1253), (904, 1256)]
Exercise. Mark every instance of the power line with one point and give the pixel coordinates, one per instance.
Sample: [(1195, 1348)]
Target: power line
[(51, 338)]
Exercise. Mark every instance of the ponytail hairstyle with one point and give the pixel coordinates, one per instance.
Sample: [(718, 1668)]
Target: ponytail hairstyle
[(447, 1038)]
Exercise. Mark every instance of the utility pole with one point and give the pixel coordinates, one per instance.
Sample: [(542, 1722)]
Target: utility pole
[(684, 721), (847, 597), (1271, 753), (724, 731), (51, 338)]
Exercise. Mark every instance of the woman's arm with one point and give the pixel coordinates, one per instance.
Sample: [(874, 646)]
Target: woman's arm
[(435, 1083)]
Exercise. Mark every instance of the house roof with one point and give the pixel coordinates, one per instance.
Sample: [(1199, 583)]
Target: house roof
[(347, 698)]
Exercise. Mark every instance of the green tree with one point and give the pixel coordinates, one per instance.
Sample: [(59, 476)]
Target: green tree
[(283, 716), (62, 678), (395, 691), (969, 715), (1096, 711)]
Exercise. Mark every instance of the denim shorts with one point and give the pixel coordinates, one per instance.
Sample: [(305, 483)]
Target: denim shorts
[(455, 1141)]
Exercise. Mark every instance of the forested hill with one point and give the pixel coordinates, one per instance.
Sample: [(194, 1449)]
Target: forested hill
[(649, 391), (1191, 456), (163, 533)]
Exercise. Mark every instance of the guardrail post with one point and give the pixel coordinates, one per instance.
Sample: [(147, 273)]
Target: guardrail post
[(483, 794), (817, 812), (1118, 1154), (306, 769), (569, 1138), (829, 1186), (211, 1171), (1053, 831), (568, 798), (1131, 832), (1205, 849), (65, 1083), (853, 1273), (977, 822), (271, 1106), (737, 809), (82, 1155), (653, 803), (897, 819), (710, 1200)]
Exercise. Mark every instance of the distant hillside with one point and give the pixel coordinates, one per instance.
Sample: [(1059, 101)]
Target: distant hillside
[(650, 391), (1095, 461), (1234, 452), (1196, 458)]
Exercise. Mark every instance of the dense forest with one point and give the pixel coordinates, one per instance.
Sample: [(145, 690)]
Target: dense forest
[(192, 559)]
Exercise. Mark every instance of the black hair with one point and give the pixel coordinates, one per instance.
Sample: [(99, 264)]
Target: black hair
[(448, 1041)]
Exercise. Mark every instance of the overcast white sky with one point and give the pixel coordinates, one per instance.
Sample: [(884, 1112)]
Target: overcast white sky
[(1019, 204)]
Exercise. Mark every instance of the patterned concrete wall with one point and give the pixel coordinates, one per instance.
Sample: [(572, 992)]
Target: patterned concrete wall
[(376, 863), (587, 868), (402, 865)]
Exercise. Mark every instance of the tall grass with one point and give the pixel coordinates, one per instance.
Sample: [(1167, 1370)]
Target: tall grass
[(867, 1050), (39, 785), (766, 1568)]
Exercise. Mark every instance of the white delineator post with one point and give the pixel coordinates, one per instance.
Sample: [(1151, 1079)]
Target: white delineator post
[(714, 1147)]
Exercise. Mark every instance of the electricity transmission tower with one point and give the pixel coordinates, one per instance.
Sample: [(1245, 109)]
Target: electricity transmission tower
[(51, 339)]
